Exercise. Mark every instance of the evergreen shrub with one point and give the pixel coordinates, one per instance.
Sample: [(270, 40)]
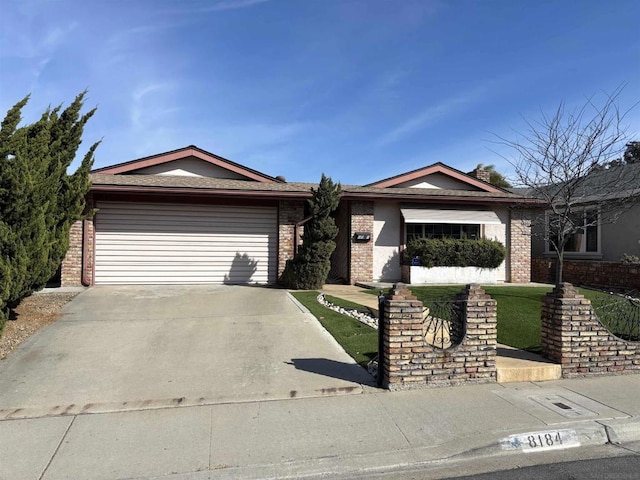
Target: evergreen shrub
[(447, 252), (309, 269)]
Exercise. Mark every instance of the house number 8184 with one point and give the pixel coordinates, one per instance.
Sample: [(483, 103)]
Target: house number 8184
[(546, 440)]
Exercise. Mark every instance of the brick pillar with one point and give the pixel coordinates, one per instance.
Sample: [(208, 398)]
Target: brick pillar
[(361, 257), (573, 336), (519, 249), (410, 361), (289, 213), (78, 263), (402, 338), (71, 272)]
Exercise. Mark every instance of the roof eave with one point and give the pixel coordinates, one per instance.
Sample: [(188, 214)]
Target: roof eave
[(440, 198), (197, 192)]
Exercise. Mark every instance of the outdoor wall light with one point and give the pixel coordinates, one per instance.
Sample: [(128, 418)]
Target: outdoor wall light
[(361, 237)]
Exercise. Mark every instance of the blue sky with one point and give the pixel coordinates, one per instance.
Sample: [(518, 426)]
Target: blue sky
[(358, 89)]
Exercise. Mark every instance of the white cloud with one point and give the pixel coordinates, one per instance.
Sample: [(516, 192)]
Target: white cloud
[(450, 106), (218, 5), (150, 103)]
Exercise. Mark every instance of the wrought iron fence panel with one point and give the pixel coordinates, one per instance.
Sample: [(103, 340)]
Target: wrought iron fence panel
[(444, 324), (620, 315)]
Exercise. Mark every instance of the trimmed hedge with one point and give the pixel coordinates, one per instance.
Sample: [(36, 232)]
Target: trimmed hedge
[(447, 252)]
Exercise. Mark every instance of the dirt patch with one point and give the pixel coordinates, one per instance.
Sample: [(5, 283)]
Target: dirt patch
[(31, 315)]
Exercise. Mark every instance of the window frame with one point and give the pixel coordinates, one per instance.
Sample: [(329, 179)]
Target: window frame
[(460, 225), (582, 252)]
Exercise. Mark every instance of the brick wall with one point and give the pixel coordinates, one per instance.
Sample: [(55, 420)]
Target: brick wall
[(71, 274), (289, 213), (410, 362), (361, 268), (519, 249), (573, 336), (588, 272), (77, 266)]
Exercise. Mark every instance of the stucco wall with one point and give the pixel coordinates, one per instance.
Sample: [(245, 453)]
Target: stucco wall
[(622, 236), (386, 240), (388, 235), (191, 167), (499, 232), (437, 180)]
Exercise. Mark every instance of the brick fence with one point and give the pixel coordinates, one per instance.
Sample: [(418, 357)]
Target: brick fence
[(588, 272), (573, 336), (410, 362)]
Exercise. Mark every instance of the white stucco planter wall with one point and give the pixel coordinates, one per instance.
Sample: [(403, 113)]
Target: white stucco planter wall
[(425, 275)]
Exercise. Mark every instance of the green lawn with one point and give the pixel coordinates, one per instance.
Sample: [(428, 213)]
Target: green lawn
[(358, 340)]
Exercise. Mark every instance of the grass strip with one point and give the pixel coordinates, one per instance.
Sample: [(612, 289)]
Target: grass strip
[(359, 340)]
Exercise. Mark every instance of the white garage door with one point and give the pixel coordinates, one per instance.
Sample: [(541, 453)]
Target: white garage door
[(154, 243)]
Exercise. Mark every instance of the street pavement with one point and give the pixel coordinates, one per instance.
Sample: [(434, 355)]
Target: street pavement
[(322, 433)]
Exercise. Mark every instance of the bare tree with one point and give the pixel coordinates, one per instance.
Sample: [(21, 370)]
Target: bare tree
[(562, 160)]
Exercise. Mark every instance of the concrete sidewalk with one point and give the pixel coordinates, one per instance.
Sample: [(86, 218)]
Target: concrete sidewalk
[(340, 435)]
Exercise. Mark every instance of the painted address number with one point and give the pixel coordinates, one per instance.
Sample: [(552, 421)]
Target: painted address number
[(542, 441)]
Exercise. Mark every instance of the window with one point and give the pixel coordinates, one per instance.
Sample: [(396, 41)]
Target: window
[(442, 230), (584, 240)]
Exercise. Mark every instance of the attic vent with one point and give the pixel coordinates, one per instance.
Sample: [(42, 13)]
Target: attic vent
[(281, 178)]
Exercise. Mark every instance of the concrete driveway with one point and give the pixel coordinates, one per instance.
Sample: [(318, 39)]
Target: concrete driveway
[(131, 347)]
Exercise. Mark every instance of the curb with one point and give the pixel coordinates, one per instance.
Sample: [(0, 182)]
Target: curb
[(441, 457), (622, 430)]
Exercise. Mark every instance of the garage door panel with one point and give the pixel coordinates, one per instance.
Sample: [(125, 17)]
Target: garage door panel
[(202, 244), (159, 243), (135, 224)]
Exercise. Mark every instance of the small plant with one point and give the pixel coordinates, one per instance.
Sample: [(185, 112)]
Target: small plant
[(447, 252), (630, 259)]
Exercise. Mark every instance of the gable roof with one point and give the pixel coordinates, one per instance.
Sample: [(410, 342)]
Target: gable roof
[(186, 152), (206, 186), (437, 168), (619, 182)]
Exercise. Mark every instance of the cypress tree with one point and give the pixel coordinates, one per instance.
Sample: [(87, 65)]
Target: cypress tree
[(39, 200), (310, 267)]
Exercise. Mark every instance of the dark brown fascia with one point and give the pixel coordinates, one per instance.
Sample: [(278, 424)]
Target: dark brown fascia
[(198, 192), (190, 151), (441, 198)]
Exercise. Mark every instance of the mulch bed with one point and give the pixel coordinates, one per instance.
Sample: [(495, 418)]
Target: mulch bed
[(31, 315)]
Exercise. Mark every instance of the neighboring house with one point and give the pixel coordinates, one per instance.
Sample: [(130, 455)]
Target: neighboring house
[(189, 216), (611, 230)]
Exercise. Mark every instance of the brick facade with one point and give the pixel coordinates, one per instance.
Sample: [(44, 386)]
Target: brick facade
[(408, 361), (289, 213), (361, 265), (588, 272), (573, 336), (77, 266), (519, 250), (71, 272)]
